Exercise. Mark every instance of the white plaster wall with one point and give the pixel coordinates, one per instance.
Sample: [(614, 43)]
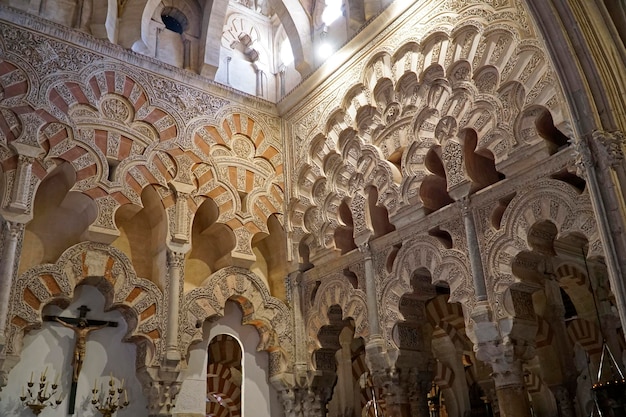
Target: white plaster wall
[(241, 74), (52, 346), (259, 398), (171, 48)]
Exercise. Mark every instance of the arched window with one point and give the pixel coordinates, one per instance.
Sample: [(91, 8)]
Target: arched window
[(170, 44), (285, 52), (174, 20)]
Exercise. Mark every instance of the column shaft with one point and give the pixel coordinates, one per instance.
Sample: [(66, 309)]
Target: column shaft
[(476, 262), (175, 262), (6, 271), (510, 388), (372, 303), (513, 401)]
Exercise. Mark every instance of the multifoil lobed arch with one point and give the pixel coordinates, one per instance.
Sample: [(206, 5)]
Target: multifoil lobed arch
[(445, 265), (335, 290), (475, 77), (550, 200), (108, 269), (269, 315)]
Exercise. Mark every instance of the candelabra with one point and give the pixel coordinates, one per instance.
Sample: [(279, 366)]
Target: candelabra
[(41, 397), (107, 402)]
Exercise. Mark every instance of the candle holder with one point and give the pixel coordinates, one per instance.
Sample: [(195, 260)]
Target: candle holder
[(108, 401), (38, 396)]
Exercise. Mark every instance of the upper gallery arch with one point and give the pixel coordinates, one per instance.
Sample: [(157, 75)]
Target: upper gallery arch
[(441, 117)]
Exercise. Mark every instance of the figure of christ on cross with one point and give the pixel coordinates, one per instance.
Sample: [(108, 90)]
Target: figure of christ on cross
[(82, 327)]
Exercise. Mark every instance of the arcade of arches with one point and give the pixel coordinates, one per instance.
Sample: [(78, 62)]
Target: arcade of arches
[(427, 222)]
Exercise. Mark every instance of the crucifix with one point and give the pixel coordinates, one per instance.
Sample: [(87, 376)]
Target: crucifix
[(82, 326)]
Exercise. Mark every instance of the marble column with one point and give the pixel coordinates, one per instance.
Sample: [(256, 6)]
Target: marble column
[(473, 248), (418, 385), (510, 388), (370, 290), (7, 270), (508, 376), (175, 264), (396, 394)]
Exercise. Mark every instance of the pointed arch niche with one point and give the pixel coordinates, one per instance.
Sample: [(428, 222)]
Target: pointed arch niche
[(258, 397)]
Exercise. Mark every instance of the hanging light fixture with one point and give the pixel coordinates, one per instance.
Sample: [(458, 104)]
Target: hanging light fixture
[(609, 390)]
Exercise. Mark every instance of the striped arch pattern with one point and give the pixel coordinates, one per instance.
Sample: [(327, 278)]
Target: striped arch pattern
[(412, 99), (444, 376), (219, 370), (575, 283), (586, 334), (111, 272), (267, 314), (533, 382), (19, 123), (572, 273), (550, 200), (91, 91), (108, 131), (229, 392), (544, 333), (336, 290), (244, 174), (449, 317), (447, 265), (225, 353), (213, 408)]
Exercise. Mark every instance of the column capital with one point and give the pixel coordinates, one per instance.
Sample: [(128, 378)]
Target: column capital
[(175, 259), (506, 358), (15, 229), (610, 146), (465, 205), (365, 249)]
